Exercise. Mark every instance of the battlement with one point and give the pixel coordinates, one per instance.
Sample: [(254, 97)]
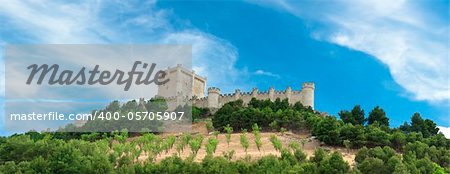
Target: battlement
[(213, 90), (215, 99), (308, 85), (187, 79)]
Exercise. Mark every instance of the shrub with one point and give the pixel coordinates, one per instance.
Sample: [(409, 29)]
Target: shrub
[(195, 144), (228, 130), (244, 140), (228, 154), (211, 146), (372, 166), (334, 164), (209, 126), (283, 130), (257, 135), (276, 142)]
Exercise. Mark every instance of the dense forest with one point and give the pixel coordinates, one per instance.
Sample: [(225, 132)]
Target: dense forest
[(414, 147)]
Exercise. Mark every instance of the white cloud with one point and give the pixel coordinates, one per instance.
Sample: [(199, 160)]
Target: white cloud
[(411, 41), (121, 22), (266, 73), (213, 57), (445, 131), (53, 22)]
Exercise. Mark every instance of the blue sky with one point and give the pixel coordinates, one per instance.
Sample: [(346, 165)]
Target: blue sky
[(391, 54)]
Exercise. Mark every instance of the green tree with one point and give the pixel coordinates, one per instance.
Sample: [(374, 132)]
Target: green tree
[(400, 169), (327, 130), (355, 117), (355, 134), (211, 146), (308, 168), (244, 140), (362, 154), (209, 126), (257, 135), (282, 130), (376, 136), (287, 156), (426, 127), (347, 145), (216, 133), (300, 155), (113, 106), (303, 142), (276, 143), (274, 125), (393, 162), (195, 145), (358, 115), (319, 155), (398, 139), (334, 164), (372, 166), (378, 115), (228, 130), (425, 165), (228, 154)]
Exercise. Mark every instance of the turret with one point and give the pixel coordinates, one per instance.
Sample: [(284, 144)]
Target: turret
[(237, 94), (141, 101), (271, 94), (308, 94), (255, 92), (288, 93), (141, 104), (213, 97)]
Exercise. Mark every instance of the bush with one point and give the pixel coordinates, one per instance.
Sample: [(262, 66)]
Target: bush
[(276, 143), (372, 166), (228, 130), (244, 141), (257, 135), (211, 146), (195, 144), (334, 164)]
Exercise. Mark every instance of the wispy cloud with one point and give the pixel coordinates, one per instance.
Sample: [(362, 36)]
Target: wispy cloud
[(266, 73), (51, 21), (410, 39), (116, 22), (214, 58)]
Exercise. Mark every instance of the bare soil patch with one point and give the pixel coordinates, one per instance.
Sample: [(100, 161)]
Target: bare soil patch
[(267, 148)]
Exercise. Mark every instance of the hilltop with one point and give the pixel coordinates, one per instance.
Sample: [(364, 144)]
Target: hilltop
[(264, 137)]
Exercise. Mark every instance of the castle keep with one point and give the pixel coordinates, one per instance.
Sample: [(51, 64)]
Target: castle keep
[(188, 86)]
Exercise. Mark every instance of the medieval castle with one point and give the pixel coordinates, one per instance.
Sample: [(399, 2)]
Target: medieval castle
[(185, 85)]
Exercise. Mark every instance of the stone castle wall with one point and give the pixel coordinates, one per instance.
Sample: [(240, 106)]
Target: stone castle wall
[(215, 99), (186, 87)]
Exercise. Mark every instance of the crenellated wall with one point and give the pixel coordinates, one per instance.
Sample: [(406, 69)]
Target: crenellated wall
[(217, 100), (186, 87)]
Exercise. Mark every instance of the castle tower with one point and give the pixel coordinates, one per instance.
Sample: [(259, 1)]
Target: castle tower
[(289, 94), (255, 92), (142, 103), (213, 97), (271, 94), (307, 94), (182, 82), (237, 94)]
